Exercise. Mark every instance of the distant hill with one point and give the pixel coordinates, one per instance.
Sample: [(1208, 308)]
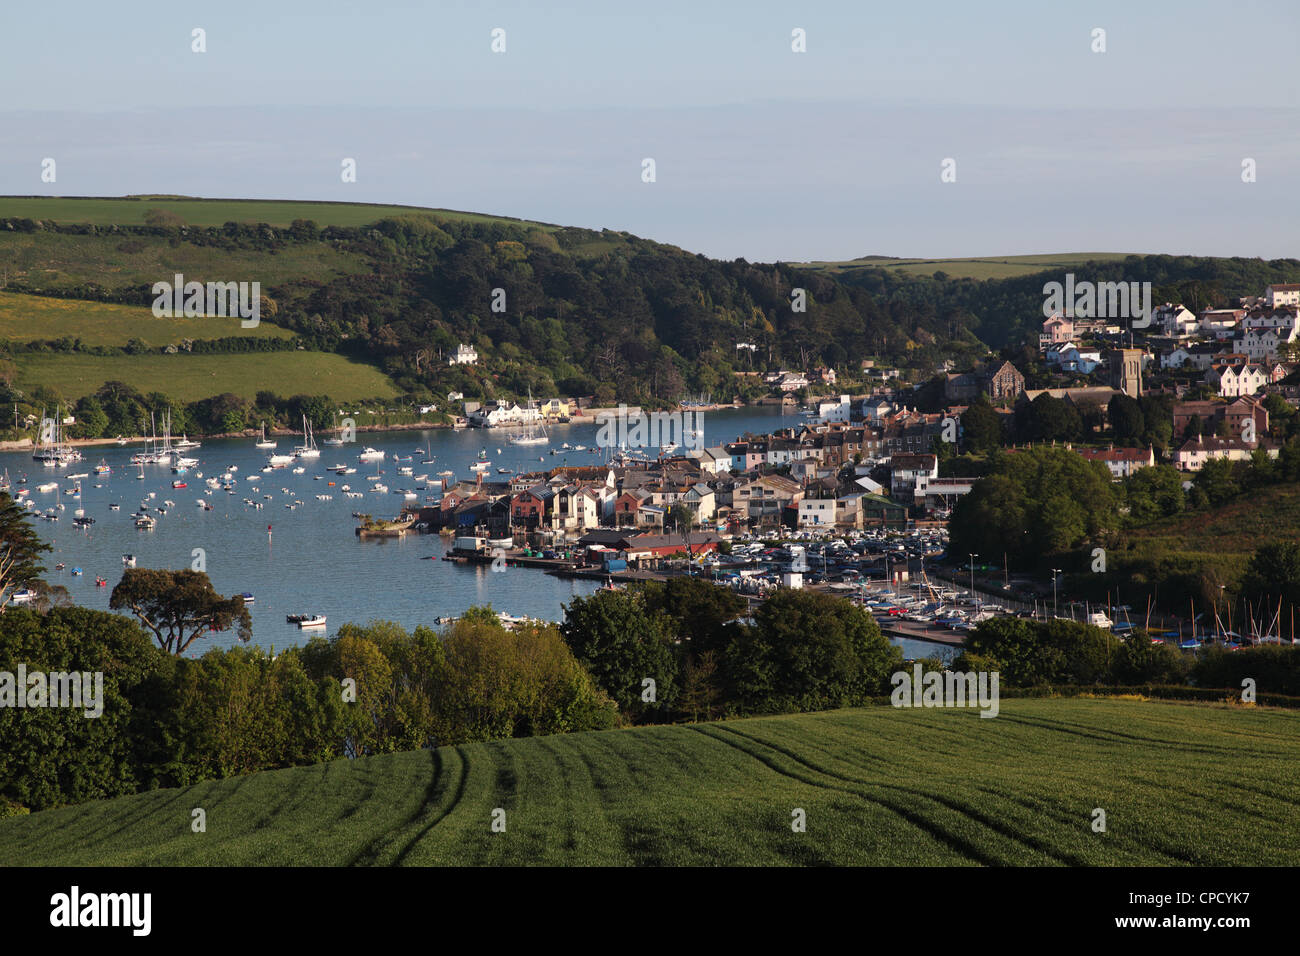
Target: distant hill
[(881, 786), (983, 267), (193, 211), (551, 309)]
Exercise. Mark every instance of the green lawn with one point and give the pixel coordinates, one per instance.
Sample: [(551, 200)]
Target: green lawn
[(983, 267), (1181, 784), (131, 210), (27, 318), (187, 377)]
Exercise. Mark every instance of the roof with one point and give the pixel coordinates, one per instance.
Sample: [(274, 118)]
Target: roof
[(670, 540), (925, 460), (1116, 454), (1215, 443)]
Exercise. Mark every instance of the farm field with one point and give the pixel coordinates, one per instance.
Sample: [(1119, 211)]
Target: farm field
[(188, 377), (56, 261), (1181, 784), (131, 210), (985, 267), (27, 318)]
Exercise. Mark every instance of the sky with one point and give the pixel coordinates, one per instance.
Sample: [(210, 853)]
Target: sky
[(760, 152)]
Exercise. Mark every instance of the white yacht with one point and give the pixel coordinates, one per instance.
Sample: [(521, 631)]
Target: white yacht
[(308, 448)]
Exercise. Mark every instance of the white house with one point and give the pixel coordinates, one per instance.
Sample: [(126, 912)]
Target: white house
[(502, 413), (817, 512), (1259, 344), (1281, 319), (1276, 295), (1195, 452), (1175, 320), (1122, 462), (910, 475), (1220, 320), (465, 355), (714, 461), (835, 411), (1236, 379), (1074, 359)]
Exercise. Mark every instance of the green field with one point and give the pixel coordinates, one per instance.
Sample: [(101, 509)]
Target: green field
[(49, 260), (1180, 783), (188, 378), (28, 318), (131, 211), (981, 267)]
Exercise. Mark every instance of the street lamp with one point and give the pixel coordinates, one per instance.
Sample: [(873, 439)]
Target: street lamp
[(1055, 573)]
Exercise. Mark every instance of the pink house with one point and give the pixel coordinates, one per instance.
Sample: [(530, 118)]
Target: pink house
[(1057, 330)]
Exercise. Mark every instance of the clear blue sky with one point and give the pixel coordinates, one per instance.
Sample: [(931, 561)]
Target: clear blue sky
[(761, 152)]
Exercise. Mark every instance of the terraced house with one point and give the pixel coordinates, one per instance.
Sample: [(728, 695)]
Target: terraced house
[(763, 499)]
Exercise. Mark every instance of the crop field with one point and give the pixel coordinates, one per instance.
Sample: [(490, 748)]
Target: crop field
[(188, 377), (131, 211), (55, 261), (1180, 785), (28, 318), (985, 267)]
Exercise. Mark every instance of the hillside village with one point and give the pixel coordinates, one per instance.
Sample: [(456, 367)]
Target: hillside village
[(879, 460), (1214, 369)]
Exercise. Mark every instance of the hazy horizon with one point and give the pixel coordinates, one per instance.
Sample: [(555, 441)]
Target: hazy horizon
[(761, 153)]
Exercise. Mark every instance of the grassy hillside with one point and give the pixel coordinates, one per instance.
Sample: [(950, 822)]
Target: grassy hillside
[(57, 261), (1180, 784), (1265, 514), (188, 378), (1217, 543), (985, 267), (131, 210), (27, 318)]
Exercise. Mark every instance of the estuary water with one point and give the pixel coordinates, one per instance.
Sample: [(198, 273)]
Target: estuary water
[(311, 560), (307, 558)]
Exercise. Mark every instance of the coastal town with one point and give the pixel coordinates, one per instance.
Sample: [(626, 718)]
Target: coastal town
[(874, 460)]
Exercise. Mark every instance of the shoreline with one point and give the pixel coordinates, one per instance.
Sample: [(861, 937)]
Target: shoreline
[(587, 418), (26, 444)]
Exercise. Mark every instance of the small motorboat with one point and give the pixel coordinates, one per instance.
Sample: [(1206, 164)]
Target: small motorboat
[(179, 484), (248, 597), (306, 620), (128, 560)]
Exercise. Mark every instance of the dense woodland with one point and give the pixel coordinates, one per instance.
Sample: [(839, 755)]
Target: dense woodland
[(609, 314)]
